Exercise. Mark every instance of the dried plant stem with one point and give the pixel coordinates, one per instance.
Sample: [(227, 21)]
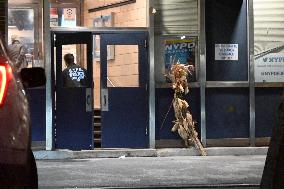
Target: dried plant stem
[(184, 123), (186, 127)]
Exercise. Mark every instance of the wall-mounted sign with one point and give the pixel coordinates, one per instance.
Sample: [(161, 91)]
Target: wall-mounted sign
[(69, 14), (103, 21), (180, 51), (53, 17), (226, 52), (269, 68), (53, 20)]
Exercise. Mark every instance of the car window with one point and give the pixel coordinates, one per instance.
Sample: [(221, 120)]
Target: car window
[(2, 54)]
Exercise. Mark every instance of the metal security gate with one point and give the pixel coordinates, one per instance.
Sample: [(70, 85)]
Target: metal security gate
[(74, 105), (124, 90)]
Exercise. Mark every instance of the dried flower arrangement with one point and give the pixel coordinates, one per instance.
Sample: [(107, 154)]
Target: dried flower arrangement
[(184, 123)]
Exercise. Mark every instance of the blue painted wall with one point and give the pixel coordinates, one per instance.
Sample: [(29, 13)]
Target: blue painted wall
[(267, 101), (164, 99), (37, 107), (227, 113)]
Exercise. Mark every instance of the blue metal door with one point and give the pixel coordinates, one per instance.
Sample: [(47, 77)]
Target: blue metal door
[(74, 106), (125, 112)]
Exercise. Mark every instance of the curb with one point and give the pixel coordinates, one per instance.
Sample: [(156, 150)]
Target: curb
[(201, 186), (164, 152)]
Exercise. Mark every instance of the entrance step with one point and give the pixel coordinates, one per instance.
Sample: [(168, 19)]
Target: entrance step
[(97, 128), (97, 124), (97, 140), (97, 132)]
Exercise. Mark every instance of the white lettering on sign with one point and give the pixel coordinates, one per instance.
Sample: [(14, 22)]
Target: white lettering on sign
[(226, 52), (180, 47), (269, 68), (76, 74)]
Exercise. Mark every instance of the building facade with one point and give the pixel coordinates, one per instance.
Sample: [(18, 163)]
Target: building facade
[(236, 48)]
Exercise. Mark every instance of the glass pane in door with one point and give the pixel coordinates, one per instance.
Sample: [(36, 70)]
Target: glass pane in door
[(122, 66), (74, 68)]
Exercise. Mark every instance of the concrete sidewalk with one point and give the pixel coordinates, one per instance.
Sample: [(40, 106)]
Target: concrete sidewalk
[(152, 172), (164, 152)]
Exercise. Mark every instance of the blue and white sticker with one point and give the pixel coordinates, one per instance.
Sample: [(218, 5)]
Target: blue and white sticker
[(77, 74)]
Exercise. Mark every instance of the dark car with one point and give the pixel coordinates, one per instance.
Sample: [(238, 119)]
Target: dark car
[(17, 163)]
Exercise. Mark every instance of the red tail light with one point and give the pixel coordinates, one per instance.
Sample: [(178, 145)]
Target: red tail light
[(5, 77)]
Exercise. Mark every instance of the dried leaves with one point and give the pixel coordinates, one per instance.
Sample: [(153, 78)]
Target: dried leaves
[(184, 123), (178, 76)]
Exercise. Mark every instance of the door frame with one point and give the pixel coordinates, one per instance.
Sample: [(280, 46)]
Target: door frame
[(99, 31), (88, 144), (114, 111)]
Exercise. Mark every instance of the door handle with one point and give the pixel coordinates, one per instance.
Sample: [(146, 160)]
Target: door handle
[(104, 100), (146, 130), (88, 100)]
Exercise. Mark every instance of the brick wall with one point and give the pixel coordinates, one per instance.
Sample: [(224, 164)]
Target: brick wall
[(123, 70), (132, 15)]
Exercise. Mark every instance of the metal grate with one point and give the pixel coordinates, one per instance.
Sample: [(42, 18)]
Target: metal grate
[(176, 17), (268, 26)]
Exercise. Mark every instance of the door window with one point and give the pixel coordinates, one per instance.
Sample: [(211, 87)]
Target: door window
[(123, 69)]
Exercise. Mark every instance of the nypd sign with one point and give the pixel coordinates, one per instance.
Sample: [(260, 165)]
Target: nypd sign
[(180, 47), (269, 68), (179, 50)]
